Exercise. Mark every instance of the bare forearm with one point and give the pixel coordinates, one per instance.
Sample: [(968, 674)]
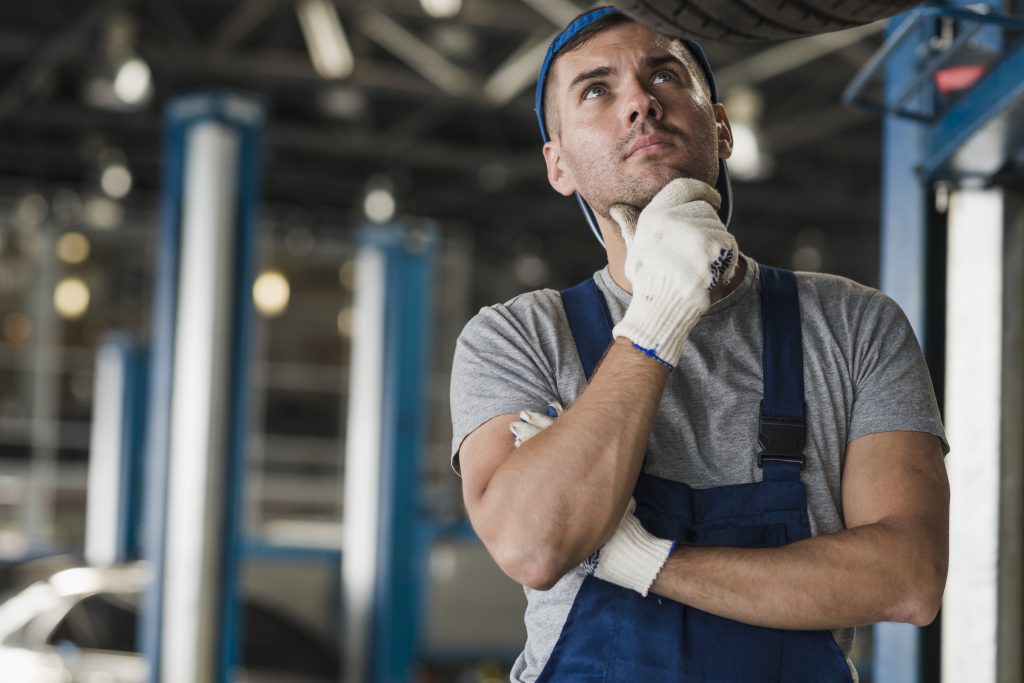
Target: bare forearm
[(560, 495), (871, 573)]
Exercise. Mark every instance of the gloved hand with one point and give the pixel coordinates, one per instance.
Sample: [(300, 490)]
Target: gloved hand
[(632, 557), (677, 250), (532, 423)]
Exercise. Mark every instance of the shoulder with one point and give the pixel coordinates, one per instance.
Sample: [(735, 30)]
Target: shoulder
[(527, 314), (838, 298)]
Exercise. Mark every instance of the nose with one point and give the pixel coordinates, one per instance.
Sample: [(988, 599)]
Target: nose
[(641, 104)]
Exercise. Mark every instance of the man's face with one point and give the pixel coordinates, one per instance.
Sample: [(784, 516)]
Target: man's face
[(631, 116)]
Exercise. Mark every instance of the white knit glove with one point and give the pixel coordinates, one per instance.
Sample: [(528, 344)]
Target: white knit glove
[(532, 423), (632, 557), (677, 250)]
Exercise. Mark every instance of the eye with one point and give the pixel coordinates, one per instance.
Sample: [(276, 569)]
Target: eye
[(595, 90), (664, 75)]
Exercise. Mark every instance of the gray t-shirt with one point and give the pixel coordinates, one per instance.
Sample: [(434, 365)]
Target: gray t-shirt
[(863, 373)]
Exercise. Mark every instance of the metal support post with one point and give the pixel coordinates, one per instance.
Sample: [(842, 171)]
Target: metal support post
[(384, 563), (199, 409), (115, 453)]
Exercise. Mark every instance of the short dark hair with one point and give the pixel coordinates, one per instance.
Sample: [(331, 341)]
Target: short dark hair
[(584, 36)]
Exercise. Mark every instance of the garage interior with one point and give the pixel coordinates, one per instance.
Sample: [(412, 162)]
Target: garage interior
[(288, 511)]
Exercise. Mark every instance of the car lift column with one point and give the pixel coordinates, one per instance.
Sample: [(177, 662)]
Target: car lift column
[(383, 558), (199, 411)]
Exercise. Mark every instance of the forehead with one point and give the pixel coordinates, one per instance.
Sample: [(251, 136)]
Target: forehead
[(622, 43)]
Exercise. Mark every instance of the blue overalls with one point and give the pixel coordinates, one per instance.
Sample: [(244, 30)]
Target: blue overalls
[(613, 634)]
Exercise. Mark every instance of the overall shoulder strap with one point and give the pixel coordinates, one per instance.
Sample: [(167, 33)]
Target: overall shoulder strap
[(589, 321), (783, 428)]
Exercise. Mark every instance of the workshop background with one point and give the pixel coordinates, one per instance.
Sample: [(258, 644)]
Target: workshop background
[(238, 240)]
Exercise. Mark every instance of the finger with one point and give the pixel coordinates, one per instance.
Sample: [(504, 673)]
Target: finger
[(555, 409), (625, 216), (685, 190)]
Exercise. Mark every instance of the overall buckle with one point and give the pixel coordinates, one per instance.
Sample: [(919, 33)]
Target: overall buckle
[(781, 438)]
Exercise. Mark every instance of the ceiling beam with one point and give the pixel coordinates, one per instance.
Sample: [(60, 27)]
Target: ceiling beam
[(417, 54), (791, 55), (518, 72)]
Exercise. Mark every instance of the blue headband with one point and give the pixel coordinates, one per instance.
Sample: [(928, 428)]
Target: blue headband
[(723, 185)]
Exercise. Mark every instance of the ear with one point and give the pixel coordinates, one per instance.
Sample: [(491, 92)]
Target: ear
[(724, 129), (559, 175)]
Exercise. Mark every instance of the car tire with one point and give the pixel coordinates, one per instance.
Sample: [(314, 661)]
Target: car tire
[(753, 20)]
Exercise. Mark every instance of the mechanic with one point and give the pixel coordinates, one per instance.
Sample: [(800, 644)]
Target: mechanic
[(750, 461)]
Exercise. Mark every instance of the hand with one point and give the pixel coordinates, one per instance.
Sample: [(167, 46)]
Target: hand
[(632, 557), (677, 251), (532, 423)]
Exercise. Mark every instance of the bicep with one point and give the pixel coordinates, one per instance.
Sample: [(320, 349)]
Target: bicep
[(480, 455), (897, 477)]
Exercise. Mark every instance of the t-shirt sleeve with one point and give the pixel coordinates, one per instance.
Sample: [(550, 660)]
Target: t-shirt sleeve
[(892, 387), (499, 367)]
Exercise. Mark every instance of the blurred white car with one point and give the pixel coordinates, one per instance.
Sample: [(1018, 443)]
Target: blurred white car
[(80, 626)]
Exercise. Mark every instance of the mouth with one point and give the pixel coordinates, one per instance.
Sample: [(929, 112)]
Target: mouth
[(648, 144)]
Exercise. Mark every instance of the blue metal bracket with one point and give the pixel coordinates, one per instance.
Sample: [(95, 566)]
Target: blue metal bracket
[(970, 21)]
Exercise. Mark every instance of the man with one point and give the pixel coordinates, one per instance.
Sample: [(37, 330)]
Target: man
[(750, 463)]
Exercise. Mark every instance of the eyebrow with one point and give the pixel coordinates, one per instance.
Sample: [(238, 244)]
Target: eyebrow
[(601, 71)]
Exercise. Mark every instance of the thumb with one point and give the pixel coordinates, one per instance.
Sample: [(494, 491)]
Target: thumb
[(626, 216)]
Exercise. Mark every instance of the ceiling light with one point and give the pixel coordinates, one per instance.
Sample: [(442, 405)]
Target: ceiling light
[(73, 248), (325, 38), (17, 327), (116, 180), (441, 9), (71, 298), (379, 202), (379, 205), (271, 293), (133, 83)]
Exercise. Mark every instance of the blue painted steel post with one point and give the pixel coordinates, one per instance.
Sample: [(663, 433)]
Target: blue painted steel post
[(904, 236), (385, 556), (115, 453), (406, 367), (199, 384)]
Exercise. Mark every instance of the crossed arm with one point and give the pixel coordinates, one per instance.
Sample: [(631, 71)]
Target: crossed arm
[(543, 508)]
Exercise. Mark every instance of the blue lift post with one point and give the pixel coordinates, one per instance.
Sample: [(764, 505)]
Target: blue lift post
[(210, 197), (115, 453), (384, 564), (926, 140)]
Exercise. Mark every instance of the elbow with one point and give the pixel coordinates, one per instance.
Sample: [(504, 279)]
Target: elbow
[(529, 564), (924, 596)]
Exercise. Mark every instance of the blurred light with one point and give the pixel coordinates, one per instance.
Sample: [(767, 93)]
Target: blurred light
[(17, 327), (531, 270), (133, 83), (493, 176), (71, 298), (346, 321), (748, 160), (103, 213), (73, 248), (347, 274), (271, 293), (32, 209), (807, 258), (67, 205), (299, 241), (379, 205), (116, 180), (342, 102), (77, 581), (325, 38), (441, 9)]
